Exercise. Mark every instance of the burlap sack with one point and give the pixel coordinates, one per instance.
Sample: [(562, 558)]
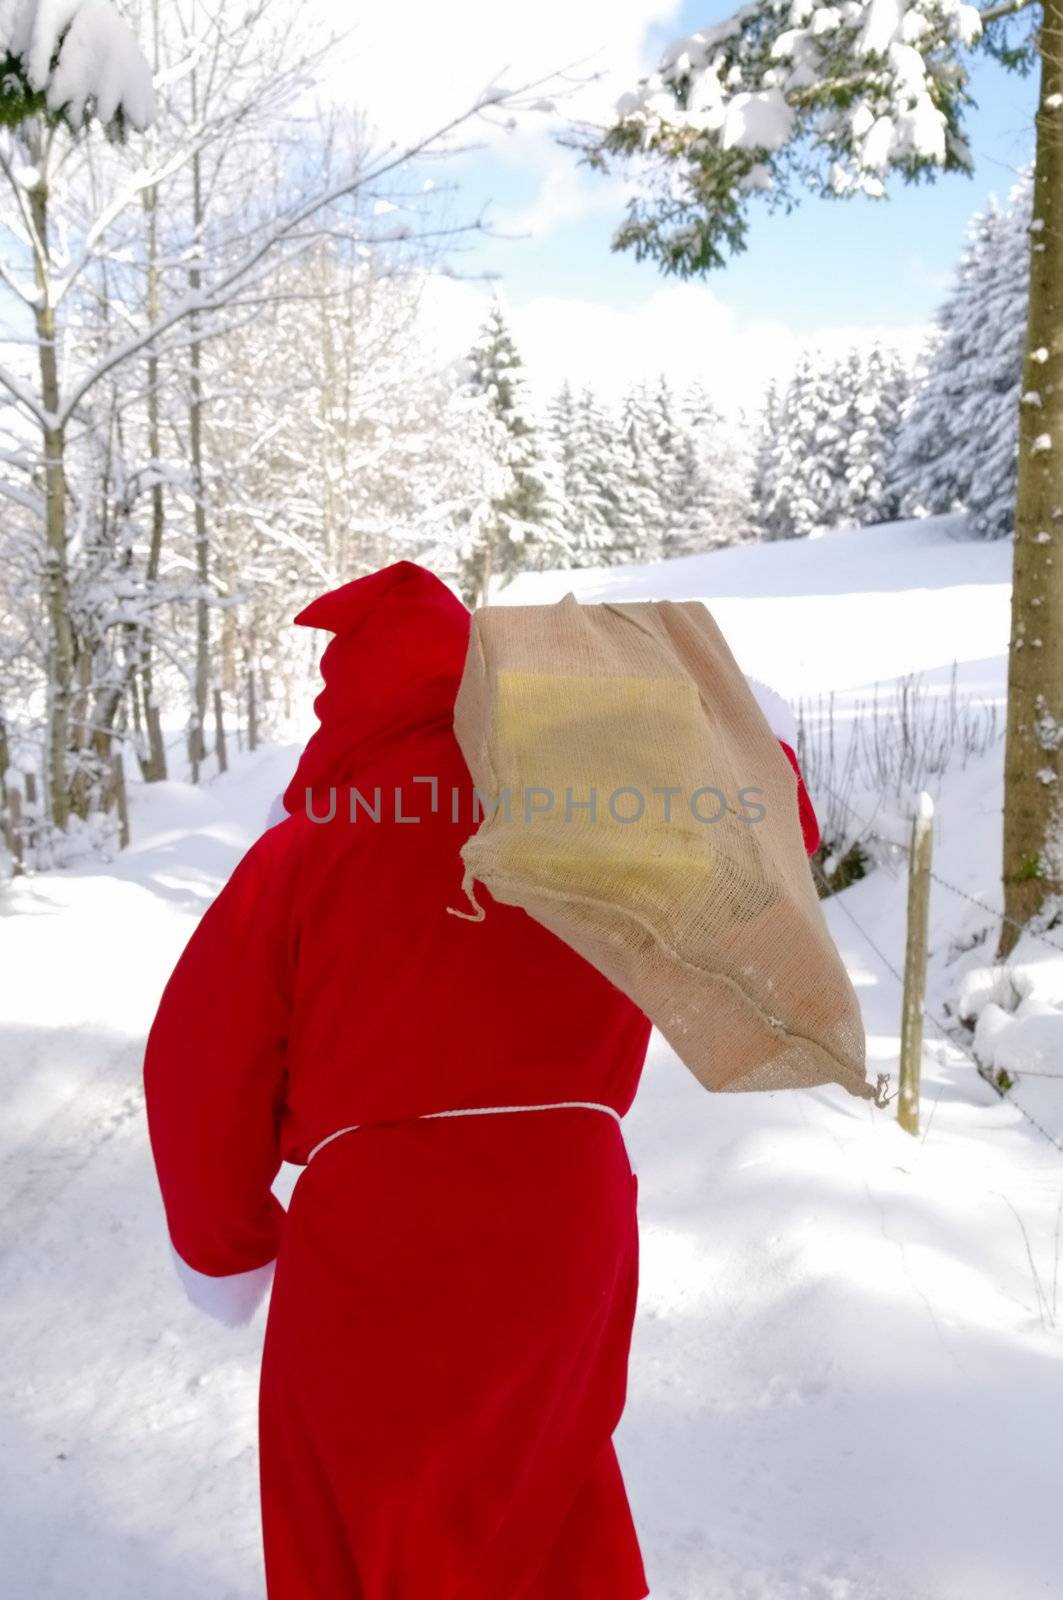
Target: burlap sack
[(639, 806)]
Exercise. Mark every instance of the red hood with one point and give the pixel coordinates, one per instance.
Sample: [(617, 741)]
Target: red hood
[(393, 669)]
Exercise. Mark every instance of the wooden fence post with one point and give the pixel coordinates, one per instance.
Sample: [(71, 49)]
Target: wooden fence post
[(915, 964)]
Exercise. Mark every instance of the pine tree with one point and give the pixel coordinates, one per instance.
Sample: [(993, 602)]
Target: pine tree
[(806, 457), (642, 516), (937, 446), (825, 449), (765, 460), (877, 407), (676, 469), (599, 483), (585, 508), (994, 479), (958, 444), (719, 499), (527, 526)]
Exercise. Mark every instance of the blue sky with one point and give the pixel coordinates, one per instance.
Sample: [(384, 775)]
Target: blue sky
[(829, 261), (828, 271)]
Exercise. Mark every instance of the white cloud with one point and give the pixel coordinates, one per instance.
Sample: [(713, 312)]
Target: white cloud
[(412, 67), (566, 192), (685, 330)]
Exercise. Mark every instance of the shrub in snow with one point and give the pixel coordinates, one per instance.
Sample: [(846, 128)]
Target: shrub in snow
[(1016, 1011), (877, 757)]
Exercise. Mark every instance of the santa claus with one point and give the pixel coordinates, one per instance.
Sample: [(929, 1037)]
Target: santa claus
[(453, 1284)]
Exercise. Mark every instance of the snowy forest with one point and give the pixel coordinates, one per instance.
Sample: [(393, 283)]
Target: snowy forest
[(211, 399)]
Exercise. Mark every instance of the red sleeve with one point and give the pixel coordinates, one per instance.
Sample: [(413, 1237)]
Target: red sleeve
[(214, 1082), (809, 823)]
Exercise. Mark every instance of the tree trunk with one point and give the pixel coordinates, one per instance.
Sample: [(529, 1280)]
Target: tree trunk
[(56, 577), (10, 810), (486, 570), (197, 745), (252, 708), (121, 799), (153, 759), (219, 732), (1033, 756)]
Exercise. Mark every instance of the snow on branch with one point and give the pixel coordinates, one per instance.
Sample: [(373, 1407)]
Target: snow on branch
[(80, 57), (278, 242), (787, 98)]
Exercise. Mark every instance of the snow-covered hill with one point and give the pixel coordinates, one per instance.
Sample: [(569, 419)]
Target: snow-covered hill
[(834, 612), (848, 1362)]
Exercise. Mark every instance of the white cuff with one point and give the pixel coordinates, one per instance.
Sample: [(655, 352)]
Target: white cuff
[(779, 712), (232, 1299)]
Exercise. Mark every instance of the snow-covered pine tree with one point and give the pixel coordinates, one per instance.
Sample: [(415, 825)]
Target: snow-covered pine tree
[(677, 487), (958, 446), (527, 528), (561, 422), (877, 407), (973, 361), (994, 482), (802, 465), (766, 451), (719, 451), (818, 444), (585, 448), (603, 447), (824, 449), (640, 535)]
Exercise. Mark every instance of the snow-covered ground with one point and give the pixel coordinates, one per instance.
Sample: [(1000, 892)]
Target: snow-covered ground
[(847, 1373)]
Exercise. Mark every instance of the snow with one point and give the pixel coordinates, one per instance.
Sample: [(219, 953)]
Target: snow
[(846, 1370), (760, 121), (926, 124), (882, 25), (800, 593)]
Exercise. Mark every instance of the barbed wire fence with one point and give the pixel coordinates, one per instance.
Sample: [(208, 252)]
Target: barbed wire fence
[(948, 1031)]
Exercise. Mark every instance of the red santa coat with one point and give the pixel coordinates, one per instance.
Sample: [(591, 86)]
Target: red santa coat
[(445, 1356)]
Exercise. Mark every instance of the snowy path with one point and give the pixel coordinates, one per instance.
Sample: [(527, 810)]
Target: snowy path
[(847, 1374), (129, 1467), (840, 1387)]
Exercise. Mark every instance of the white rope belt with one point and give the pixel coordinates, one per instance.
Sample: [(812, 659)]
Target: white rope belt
[(469, 1111)]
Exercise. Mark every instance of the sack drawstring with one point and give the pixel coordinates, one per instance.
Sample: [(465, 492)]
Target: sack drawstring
[(478, 913)]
